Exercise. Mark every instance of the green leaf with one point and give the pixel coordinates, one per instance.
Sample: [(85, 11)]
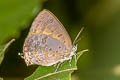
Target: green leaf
[(3, 49), (48, 73)]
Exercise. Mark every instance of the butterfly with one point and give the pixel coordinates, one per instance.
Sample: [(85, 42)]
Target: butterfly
[(48, 42)]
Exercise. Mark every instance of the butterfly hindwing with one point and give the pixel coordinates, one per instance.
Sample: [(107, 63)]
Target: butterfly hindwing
[(47, 42)]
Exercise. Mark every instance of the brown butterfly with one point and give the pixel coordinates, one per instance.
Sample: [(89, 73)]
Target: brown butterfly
[(48, 42)]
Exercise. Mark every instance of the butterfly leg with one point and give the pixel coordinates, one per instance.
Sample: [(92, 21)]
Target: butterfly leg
[(74, 52), (55, 65), (75, 56), (70, 62), (58, 65), (81, 52)]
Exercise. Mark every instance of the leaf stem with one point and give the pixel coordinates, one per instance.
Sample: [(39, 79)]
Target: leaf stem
[(56, 73)]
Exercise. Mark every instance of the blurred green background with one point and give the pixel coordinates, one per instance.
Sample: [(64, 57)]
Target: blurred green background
[(100, 18)]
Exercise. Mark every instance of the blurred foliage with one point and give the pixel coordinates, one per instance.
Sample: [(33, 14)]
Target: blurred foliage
[(101, 19), (1, 78), (3, 48)]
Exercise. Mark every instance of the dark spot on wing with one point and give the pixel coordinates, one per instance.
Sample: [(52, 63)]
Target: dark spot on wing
[(56, 51), (59, 46), (50, 49), (59, 35)]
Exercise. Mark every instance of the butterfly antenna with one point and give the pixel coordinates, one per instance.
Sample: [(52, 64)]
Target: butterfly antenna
[(78, 40), (77, 37)]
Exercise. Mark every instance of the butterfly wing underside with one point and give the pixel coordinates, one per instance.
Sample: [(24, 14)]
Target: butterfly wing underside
[(47, 42)]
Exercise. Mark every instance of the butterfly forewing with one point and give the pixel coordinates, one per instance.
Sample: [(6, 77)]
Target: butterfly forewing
[(47, 42)]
